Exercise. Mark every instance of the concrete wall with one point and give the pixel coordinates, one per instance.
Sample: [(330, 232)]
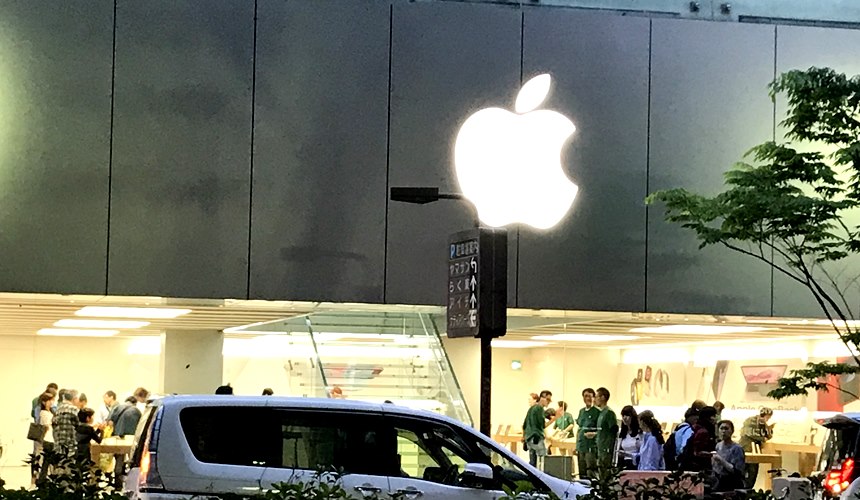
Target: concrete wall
[(236, 149)]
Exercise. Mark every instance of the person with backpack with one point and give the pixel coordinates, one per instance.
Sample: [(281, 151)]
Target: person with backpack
[(698, 450), (675, 444)]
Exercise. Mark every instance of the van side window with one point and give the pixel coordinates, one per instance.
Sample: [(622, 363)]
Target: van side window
[(355, 442), (430, 452), (230, 435)]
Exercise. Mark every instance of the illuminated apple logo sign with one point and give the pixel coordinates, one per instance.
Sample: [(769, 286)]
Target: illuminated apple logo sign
[(509, 164)]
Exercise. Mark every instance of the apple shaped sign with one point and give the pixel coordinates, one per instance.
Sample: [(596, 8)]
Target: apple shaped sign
[(509, 164)]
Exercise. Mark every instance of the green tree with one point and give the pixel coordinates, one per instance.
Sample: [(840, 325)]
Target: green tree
[(792, 208)]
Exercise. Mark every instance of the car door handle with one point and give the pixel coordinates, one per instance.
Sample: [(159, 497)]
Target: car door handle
[(410, 492), (366, 489)]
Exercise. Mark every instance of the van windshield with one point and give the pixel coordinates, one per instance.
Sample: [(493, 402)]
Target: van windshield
[(839, 443)]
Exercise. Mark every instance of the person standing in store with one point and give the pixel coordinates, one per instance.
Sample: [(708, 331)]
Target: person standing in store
[(65, 422), (109, 402), (650, 455), (85, 433), (586, 444), (46, 417), (563, 422), (124, 418), (729, 461), (534, 428), (37, 406), (696, 454), (719, 406), (630, 438), (754, 433), (607, 430)]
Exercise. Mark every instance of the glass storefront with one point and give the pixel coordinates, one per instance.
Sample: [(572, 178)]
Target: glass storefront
[(369, 356)]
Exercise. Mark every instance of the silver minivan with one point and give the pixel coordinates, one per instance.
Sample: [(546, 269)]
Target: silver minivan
[(196, 445)]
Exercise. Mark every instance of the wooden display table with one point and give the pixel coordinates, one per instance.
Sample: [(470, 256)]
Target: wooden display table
[(113, 445), (505, 437), (566, 446), (808, 454), (774, 460)]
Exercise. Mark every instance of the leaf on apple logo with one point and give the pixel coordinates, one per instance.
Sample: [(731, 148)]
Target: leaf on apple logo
[(533, 93)]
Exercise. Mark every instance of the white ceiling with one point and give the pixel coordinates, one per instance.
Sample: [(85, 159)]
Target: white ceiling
[(25, 314)]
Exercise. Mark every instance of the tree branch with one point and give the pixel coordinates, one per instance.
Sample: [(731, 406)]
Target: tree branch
[(842, 390)]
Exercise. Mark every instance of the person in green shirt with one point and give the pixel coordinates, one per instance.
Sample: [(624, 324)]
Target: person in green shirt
[(534, 428), (586, 445), (563, 422), (754, 433), (607, 429)]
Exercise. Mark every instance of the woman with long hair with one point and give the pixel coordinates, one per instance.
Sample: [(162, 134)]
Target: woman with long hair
[(650, 456), (629, 438), (46, 417)]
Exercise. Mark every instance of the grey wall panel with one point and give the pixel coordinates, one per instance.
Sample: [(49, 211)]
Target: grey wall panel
[(180, 179), (449, 60), (594, 258), (801, 48), (709, 105), (318, 223), (55, 82)]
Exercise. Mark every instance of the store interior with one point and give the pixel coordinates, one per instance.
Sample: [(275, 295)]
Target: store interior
[(660, 362)]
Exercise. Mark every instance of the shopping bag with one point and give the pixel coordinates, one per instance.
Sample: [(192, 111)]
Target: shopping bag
[(36, 432)]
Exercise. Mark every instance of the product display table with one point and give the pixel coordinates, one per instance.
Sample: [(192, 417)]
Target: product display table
[(774, 461), (808, 454), (113, 445), (508, 438), (566, 446)]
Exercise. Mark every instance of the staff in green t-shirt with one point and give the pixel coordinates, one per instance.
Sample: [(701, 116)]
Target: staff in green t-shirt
[(534, 428), (607, 429), (586, 444), (563, 422)]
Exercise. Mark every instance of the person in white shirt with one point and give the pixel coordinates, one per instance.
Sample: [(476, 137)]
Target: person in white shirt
[(629, 438), (103, 412), (46, 417)]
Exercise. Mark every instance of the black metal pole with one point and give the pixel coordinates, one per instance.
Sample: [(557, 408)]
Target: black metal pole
[(486, 385)]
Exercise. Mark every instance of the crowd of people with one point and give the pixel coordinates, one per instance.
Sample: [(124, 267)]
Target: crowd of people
[(702, 442), (68, 424)]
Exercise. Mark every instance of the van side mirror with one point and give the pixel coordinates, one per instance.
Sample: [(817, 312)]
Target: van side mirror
[(477, 475), (482, 471)]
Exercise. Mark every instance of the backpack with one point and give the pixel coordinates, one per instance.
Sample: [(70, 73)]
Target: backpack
[(670, 452)]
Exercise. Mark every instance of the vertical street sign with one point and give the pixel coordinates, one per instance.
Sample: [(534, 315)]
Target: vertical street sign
[(477, 283)]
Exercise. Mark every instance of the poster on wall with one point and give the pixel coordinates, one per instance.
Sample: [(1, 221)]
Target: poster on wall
[(743, 385), (844, 390), (659, 384)]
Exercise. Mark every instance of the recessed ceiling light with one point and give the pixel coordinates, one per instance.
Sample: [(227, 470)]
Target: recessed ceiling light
[(585, 337), (75, 332), (516, 344), (131, 312), (98, 323), (699, 329)]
